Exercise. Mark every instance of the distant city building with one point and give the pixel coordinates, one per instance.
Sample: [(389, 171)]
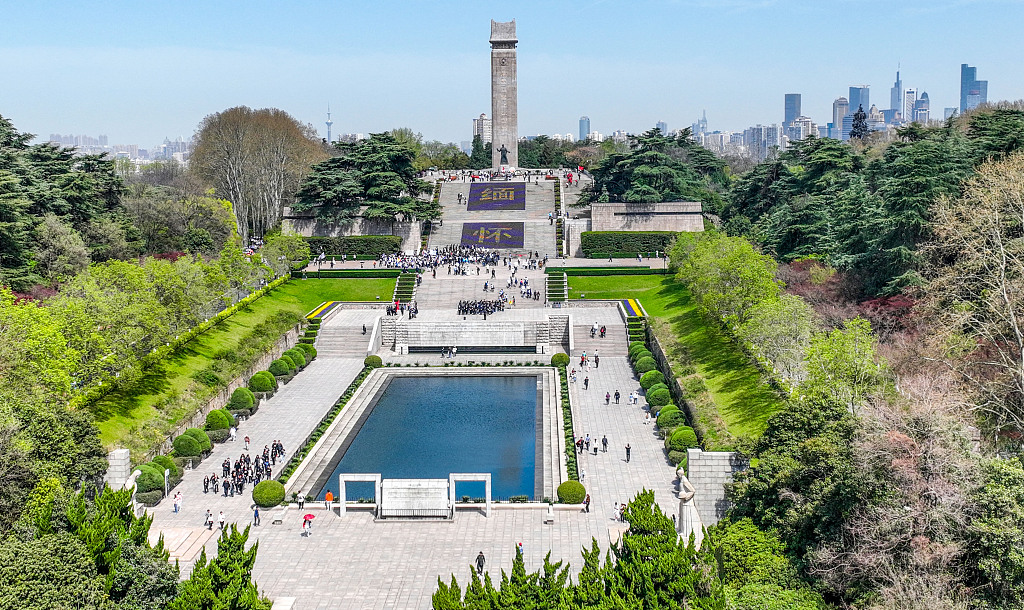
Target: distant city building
[(620, 135), (792, 108), (701, 126), (800, 128), (859, 96), (973, 92), (876, 120), (762, 141), (596, 136), (351, 138), (896, 95), (840, 108), (909, 99), (948, 112), (584, 127), (329, 123), (663, 126), (921, 109), (482, 128)]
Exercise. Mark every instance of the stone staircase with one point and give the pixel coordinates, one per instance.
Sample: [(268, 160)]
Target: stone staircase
[(342, 341), (557, 287), (185, 544), (615, 341)]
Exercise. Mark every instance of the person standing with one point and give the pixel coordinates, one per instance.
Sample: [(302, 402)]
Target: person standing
[(221, 519), (328, 499), (608, 398), (583, 474), (627, 453), (247, 442), (256, 515), (586, 382), (586, 504), (604, 443), (617, 395), (301, 499), (208, 523), (480, 561)]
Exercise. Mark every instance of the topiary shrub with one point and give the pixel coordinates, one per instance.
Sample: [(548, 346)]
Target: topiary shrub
[(166, 462), (571, 492), (650, 378), (297, 356), (659, 397), (656, 410), (149, 480), (218, 436), (373, 362), (262, 381), (681, 439), (186, 446), (218, 419), (308, 349), (201, 437), (678, 458), (657, 386), (635, 345), (149, 498), (670, 418), (268, 493), (645, 364), (560, 359), (637, 355), (241, 398), (280, 367)]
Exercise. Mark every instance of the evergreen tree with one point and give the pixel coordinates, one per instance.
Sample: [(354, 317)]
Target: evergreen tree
[(481, 155), (225, 582), (859, 129)]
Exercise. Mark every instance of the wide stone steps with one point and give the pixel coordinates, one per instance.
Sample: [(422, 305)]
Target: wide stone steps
[(615, 341), (343, 341)]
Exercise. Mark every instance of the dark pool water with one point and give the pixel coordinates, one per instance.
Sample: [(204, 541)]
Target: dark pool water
[(428, 427)]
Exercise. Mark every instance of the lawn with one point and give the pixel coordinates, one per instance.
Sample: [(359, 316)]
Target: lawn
[(139, 416), (743, 400)]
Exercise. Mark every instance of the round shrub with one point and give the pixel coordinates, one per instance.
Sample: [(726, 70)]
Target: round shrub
[(308, 349), (678, 458), (682, 438), (218, 436), (218, 420), (241, 398), (571, 492), (149, 480), (657, 386), (650, 378), (297, 356), (290, 360), (186, 446), (201, 437), (670, 418), (149, 498), (268, 493), (166, 462), (373, 362), (262, 381), (645, 364), (656, 410), (659, 397), (636, 345), (560, 359), (280, 367), (637, 355)]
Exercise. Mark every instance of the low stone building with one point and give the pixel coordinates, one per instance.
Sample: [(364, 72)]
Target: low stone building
[(665, 216)]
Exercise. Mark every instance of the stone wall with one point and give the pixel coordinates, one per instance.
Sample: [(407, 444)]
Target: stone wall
[(309, 226), (198, 419), (573, 230), (665, 216), (708, 472), (559, 331)]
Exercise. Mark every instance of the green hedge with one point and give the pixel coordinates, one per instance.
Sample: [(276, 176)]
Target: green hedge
[(670, 418), (262, 381), (645, 364), (268, 493), (166, 462), (218, 436), (367, 245), (218, 419), (571, 492), (373, 362), (349, 273), (640, 354), (201, 437), (609, 271), (280, 368), (559, 359), (626, 241), (681, 439), (650, 378), (149, 498), (297, 356), (308, 349), (186, 446), (659, 397), (241, 398)]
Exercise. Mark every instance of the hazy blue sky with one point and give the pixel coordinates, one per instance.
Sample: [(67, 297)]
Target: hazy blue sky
[(140, 71)]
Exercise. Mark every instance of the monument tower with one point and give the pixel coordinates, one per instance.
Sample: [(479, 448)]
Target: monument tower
[(504, 96)]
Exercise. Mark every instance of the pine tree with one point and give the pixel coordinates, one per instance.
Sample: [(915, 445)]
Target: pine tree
[(859, 129)]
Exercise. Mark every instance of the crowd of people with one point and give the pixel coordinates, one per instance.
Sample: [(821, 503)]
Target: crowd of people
[(246, 470), (483, 306)]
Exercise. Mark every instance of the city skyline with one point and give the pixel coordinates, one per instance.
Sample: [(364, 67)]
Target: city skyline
[(171, 67)]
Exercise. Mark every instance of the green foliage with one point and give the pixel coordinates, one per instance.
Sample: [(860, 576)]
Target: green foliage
[(186, 446), (626, 241), (268, 493), (656, 387), (356, 245), (681, 439), (842, 365), (748, 554), (297, 355), (650, 378), (201, 437), (262, 381), (241, 398), (54, 571), (670, 418), (149, 480), (166, 462), (659, 397), (225, 582), (218, 419), (645, 364), (560, 360), (373, 362), (309, 350), (571, 492), (635, 346), (996, 534)]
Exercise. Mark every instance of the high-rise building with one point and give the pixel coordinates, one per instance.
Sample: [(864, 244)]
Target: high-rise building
[(482, 128), (909, 99), (840, 108), (701, 126), (762, 140), (973, 92), (584, 127), (896, 94), (792, 109), (921, 109), (329, 122), (800, 128), (663, 126), (859, 96)]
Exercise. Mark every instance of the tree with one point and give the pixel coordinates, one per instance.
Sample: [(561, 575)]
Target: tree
[(780, 332), (49, 572), (842, 365), (224, 582), (282, 252), (256, 159), (481, 155), (60, 252), (859, 129)]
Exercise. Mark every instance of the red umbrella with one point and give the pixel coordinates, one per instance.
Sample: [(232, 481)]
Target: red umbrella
[(309, 517)]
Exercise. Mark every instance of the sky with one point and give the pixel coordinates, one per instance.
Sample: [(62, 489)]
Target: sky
[(142, 71)]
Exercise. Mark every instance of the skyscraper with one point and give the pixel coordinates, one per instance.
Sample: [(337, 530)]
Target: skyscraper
[(584, 127), (909, 99), (896, 94), (840, 108), (921, 109), (482, 128), (663, 126), (792, 108), (859, 96), (701, 126), (973, 92)]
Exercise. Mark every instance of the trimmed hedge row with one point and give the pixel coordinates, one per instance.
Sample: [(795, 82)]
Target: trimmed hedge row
[(571, 467), (603, 271), (365, 245), (350, 273), (593, 242)]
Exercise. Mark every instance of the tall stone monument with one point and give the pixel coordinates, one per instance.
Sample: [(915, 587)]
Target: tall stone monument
[(504, 96)]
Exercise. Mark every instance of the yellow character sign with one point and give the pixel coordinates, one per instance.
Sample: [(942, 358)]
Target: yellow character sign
[(498, 194)]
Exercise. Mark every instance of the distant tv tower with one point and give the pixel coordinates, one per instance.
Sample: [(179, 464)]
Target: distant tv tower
[(329, 123)]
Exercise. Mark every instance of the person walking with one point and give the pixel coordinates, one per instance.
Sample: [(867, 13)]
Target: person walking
[(306, 527), (208, 523), (597, 360), (586, 382), (480, 561), (608, 398), (627, 453), (617, 395), (583, 474), (177, 502), (220, 519), (301, 499), (256, 515), (328, 499), (604, 443), (247, 442), (586, 504)]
